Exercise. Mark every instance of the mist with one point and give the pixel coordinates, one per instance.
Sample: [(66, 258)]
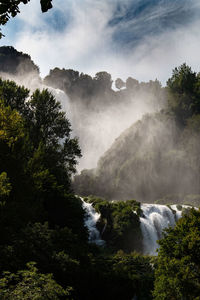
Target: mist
[(138, 39), (97, 130), (97, 111)]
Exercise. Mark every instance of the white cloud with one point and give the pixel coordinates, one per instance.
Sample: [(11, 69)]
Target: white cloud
[(86, 43), (81, 43)]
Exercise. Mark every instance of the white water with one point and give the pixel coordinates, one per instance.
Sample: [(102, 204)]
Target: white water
[(91, 219), (155, 219)]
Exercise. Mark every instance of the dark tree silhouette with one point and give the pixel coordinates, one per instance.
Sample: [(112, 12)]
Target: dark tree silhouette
[(10, 8)]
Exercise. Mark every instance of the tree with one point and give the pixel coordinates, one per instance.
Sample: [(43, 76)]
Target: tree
[(44, 121), (10, 8), (131, 83), (62, 79), (182, 97), (5, 186), (178, 265), (39, 157), (119, 83), (104, 80), (183, 80), (11, 125), (29, 284), (50, 127)]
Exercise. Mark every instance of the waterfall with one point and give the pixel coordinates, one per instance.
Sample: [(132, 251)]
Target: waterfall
[(91, 219), (155, 218), (63, 98)]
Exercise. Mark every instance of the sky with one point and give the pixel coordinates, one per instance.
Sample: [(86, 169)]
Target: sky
[(144, 39)]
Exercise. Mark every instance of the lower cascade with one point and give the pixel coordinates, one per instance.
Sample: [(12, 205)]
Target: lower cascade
[(91, 219), (156, 218)]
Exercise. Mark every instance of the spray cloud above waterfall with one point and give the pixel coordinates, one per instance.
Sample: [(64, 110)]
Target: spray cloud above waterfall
[(97, 113)]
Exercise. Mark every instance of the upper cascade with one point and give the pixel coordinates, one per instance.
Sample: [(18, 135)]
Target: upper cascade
[(154, 220)]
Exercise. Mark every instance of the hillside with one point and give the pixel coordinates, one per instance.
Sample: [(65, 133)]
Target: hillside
[(151, 160), (157, 158)]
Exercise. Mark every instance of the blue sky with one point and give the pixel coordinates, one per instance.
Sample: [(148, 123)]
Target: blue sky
[(144, 39)]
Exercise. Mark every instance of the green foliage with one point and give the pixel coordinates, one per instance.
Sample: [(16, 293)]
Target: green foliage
[(137, 270), (5, 187), (31, 285), (13, 95), (38, 164), (183, 80), (57, 251), (183, 98), (178, 265), (122, 276), (119, 224), (11, 126)]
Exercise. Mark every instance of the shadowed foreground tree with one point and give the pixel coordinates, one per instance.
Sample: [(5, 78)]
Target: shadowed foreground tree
[(178, 266), (30, 284), (37, 154)]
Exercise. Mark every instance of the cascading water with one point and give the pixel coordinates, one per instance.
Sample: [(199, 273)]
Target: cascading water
[(91, 219), (155, 218), (62, 97)]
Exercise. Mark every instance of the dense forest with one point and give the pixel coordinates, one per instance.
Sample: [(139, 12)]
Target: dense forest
[(44, 247)]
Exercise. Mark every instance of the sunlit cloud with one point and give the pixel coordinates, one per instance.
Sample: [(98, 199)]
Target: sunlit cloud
[(143, 39)]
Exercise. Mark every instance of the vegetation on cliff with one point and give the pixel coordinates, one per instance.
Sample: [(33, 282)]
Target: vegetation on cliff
[(16, 63), (157, 158)]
